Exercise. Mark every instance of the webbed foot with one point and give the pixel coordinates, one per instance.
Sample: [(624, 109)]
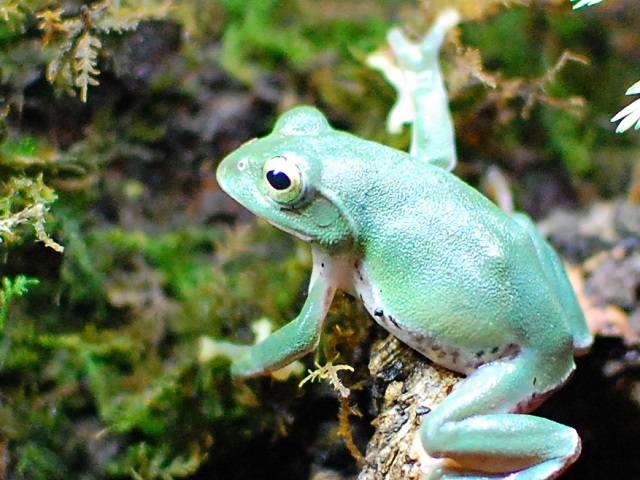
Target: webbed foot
[(478, 431)]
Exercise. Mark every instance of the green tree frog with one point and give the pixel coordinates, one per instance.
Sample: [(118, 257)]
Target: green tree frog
[(436, 263)]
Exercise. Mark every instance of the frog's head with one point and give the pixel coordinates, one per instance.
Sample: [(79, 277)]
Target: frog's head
[(280, 178)]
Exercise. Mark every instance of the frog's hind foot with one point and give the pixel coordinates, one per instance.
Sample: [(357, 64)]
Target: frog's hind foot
[(477, 430), (548, 470)]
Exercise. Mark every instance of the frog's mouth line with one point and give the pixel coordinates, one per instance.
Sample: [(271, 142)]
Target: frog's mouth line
[(297, 233), (290, 231)]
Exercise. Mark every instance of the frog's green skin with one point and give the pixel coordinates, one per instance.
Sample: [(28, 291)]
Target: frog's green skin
[(436, 264)]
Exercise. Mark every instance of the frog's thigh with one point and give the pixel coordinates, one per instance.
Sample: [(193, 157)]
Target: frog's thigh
[(473, 426)]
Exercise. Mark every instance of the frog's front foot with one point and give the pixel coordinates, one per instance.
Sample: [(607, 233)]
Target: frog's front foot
[(238, 354), (241, 365), (415, 66), (422, 57), (414, 71), (478, 431)]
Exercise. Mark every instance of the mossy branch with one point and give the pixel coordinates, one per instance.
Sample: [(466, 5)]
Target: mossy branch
[(407, 387)]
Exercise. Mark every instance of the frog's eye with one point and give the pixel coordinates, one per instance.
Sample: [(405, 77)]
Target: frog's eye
[(283, 180)]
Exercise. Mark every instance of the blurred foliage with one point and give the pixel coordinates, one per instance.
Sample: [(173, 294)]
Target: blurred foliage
[(71, 40), (629, 115), (98, 359), (10, 289)]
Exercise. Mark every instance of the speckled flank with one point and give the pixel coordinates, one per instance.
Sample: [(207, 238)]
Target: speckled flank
[(335, 268), (440, 353)]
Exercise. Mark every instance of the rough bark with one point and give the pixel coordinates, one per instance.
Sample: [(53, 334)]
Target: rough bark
[(407, 386)]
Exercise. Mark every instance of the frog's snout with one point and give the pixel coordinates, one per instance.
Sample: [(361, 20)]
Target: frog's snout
[(228, 170), (221, 174)]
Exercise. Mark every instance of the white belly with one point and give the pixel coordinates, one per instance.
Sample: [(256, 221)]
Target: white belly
[(449, 356)]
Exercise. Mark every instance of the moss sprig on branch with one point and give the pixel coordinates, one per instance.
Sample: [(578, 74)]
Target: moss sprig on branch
[(26, 201), (74, 39)]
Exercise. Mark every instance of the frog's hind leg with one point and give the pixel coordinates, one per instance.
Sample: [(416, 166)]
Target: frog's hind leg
[(557, 277), (477, 430)]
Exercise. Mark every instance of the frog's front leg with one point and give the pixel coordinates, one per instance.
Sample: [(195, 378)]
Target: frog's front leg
[(301, 335), (479, 434), (422, 96)]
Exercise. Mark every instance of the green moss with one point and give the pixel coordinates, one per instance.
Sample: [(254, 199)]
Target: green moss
[(12, 289)]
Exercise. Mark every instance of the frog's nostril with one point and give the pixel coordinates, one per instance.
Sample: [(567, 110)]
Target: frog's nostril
[(242, 164)]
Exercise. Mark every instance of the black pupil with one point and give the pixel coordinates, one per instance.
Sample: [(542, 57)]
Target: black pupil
[(278, 180)]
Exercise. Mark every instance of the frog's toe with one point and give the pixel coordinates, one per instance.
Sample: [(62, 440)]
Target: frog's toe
[(546, 470)]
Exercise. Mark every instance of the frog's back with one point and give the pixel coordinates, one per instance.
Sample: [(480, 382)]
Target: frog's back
[(447, 262)]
